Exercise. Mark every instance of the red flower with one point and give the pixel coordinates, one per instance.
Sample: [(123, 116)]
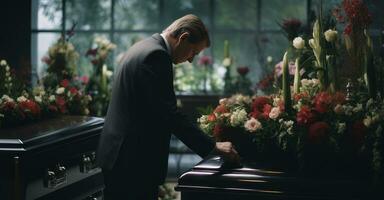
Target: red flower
[(30, 106), (221, 109), (73, 90), (64, 83), (258, 107), (322, 102), (217, 130), (318, 132), (243, 70), (205, 60), (305, 116), (266, 110), (211, 117), (297, 97), (60, 102), (338, 98)]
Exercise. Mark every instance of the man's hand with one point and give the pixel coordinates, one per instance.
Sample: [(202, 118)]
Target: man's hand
[(228, 151)]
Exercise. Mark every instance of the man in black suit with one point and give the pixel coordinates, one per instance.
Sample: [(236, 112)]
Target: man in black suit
[(142, 114)]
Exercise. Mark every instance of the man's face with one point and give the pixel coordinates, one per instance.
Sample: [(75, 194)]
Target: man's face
[(186, 51)]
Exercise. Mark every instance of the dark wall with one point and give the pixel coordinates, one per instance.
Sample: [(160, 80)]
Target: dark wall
[(15, 37)]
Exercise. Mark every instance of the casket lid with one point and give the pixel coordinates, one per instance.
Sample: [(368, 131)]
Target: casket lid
[(46, 132), (210, 175)]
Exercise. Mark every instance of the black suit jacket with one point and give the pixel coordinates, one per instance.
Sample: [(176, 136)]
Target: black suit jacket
[(142, 114)]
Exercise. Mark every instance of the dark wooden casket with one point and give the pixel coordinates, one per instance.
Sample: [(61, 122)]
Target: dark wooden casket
[(211, 180), (51, 159)]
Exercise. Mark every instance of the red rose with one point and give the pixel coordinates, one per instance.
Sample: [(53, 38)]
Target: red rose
[(266, 110), (322, 102), (305, 116), (30, 106), (64, 83), (318, 132)]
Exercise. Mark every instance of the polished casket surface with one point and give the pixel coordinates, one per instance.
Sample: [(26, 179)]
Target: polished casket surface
[(51, 159), (212, 179)]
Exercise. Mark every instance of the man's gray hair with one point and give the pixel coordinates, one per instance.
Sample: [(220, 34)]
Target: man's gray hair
[(191, 24)]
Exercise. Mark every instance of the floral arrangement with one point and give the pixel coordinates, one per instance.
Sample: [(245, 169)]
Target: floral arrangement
[(19, 107), (100, 81), (310, 124)]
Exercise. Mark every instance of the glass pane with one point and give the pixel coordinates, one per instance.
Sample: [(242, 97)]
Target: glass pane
[(49, 14), (243, 51), (126, 40), (273, 12), (44, 41), (174, 9), (273, 45), (83, 42), (236, 14), (88, 14), (136, 14)]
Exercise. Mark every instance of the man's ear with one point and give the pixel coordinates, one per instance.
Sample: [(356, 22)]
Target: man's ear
[(184, 36)]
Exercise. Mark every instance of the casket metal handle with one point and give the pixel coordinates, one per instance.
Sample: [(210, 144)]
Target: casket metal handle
[(55, 177), (88, 162)]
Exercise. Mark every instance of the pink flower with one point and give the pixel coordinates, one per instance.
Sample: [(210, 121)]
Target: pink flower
[(205, 60)]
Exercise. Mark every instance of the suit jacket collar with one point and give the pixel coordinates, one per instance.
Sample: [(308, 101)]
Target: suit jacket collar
[(160, 39)]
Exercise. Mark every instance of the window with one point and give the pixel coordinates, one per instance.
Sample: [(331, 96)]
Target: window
[(250, 26)]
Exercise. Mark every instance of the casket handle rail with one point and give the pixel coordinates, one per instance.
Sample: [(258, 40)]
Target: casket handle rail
[(88, 162), (55, 177)]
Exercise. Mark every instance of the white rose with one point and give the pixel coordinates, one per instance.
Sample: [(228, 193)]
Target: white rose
[(223, 101), (38, 99), (330, 35), (227, 62), (275, 113), (298, 43), (203, 119), (21, 99), (6, 98), (60, 90), (252, 125), (52, 98)]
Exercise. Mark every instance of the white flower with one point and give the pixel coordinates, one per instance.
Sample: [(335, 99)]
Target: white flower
[(358, 108), (223, 101), (330, 35), (7, 68), (275, 113), (203, 119), (252, 125), (7, 73), (298, 43), (276, 101), (60, 90), (369, 103), (38, 99), (312, 43), (89, 97), (238, 117), (269, 59), (9, 79), (21, 99), (227, 62), (339, 109), (341, 127), (3, 62), (52, 98), (367, 121), (86, 111), (109, 73), (6, 98)]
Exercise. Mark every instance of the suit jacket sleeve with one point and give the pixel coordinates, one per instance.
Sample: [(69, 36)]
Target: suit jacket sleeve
[(155, 79)]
